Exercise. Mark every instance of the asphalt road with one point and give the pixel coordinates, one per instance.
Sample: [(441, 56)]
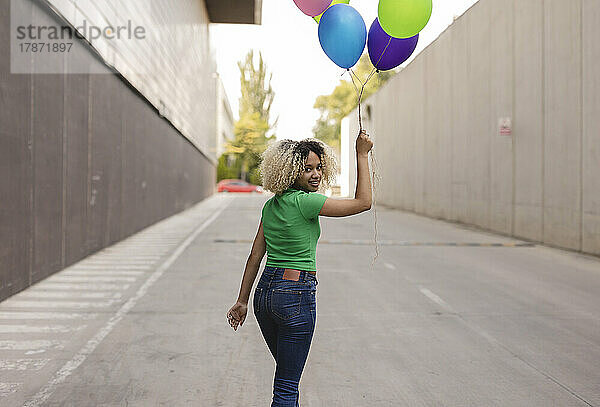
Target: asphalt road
[(446, 316)]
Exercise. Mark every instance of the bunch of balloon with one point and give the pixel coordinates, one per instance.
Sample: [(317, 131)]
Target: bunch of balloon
[(392, 39)]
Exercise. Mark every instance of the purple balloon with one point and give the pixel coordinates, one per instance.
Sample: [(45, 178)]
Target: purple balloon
[(398, 50)]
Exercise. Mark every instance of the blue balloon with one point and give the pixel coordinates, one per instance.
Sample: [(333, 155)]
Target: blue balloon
[(343, 34)]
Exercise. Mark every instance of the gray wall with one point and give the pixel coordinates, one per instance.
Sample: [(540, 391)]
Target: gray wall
[(435, 124), (85, 161), (173, 66)]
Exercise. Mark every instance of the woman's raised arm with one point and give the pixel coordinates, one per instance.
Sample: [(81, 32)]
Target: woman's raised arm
[(362, 197)]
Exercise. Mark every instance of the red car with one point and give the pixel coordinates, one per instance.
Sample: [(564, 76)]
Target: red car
[(237, 185)]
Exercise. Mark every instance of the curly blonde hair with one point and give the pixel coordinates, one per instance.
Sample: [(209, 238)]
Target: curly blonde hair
[(283, 162)]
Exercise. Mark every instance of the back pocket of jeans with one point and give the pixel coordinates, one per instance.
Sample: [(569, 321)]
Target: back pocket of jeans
[(286, 303)]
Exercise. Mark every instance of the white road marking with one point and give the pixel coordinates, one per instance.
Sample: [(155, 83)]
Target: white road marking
[(147, 246), (81, 286), (122, 251), (110, 267), (33, 352), (80, 272), (11, 329), (45, 315), (128, 252), (88, 279), (23, 364), (41, 396), (68, 294), (119, 259), (10, 303), (448, 308), (119, 255), (110, 263), (39, 344), (436, 299), (390, 266), (159, 241), (8, 388)]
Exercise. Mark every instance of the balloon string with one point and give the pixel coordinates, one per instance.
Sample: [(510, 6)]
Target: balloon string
[(376, 180), (360, 93), (383, 52), (358, 96), (374, 167)]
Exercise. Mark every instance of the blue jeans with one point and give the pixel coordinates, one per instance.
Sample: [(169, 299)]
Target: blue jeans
[(286, 312)]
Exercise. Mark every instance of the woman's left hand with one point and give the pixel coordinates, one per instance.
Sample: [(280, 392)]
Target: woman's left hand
[(237, 314)]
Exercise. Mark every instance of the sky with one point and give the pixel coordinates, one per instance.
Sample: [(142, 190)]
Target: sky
[(289, 43)]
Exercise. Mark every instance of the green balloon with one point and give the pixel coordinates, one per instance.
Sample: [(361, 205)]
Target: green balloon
[(404, 18), (318, 18)]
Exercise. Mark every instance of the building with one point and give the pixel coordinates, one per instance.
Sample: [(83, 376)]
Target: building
[(107, 128)]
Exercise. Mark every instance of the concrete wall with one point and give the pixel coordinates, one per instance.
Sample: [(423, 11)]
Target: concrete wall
[(435, 124), (85, 161), (173, 67)]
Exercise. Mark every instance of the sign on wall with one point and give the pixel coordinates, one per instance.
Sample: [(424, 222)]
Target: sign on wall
[(505, 126)]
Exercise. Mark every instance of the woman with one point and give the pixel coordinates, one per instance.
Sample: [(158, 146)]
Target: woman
[(284, 300)]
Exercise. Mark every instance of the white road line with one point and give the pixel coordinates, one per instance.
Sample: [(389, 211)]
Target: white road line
[(146, 246), (118, 253), (23, 364), (141, 250), (7, 389), (56, 304), (68, 294), (158, 241), (81, 286), (88, 279), (45, 315), (390, 266), (110, 263), (154, 243), (130, 254), (17, 329), (40, 344), (80, 272), (473, 327), (110, 267), (436, 299), (121, 259), (41, 396)]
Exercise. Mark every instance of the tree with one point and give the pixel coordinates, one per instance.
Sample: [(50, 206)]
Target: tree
[(257, 93), (250, 131), (344, 98), (249, 142)]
